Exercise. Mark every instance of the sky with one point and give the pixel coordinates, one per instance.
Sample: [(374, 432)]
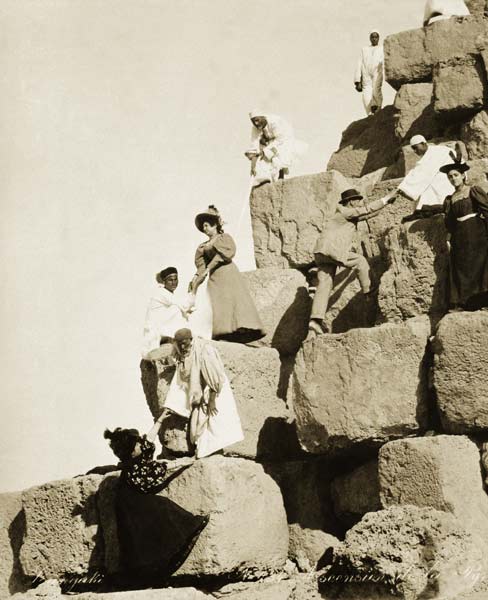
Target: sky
[(119, 121)]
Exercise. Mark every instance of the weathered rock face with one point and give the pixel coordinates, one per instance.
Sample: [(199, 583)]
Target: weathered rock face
[(459, 86), (356, 493), (186, 593), (288, 216), (474, 134), (62, 535), (243, 503), (263, 590), (366, 145), (442, 472), (306, 494), (417, 278), (411, 55), (281, 297), (476, 7), (411, 552), (258, 379), (460, 366), (12, 525), (366, 386), (415, 112)]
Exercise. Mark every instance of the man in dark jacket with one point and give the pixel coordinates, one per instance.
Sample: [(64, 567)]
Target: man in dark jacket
[(334, 249)]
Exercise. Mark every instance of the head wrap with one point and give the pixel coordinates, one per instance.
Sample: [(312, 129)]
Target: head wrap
[(374, 31), (166, 273), (417, 139), (183, 334), (256, 113)]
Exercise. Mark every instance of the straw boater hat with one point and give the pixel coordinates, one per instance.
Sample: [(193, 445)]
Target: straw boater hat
[(211, 214), (351, 194)]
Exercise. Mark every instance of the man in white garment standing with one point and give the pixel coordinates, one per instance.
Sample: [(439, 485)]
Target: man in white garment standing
[(368, 78), (437, 10), (273, 147), (165, 314), (424, 183)]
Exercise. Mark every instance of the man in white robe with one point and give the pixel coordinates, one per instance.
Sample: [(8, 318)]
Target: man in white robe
[(425, 184), (200, 391), (273, 147), (166, 313), (437, 10), (368, 77)]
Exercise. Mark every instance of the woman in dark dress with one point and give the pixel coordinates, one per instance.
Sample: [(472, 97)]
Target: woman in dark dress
[(235, 317), (466, 214), (155, 534)]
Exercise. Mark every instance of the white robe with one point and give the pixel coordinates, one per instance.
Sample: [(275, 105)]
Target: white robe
[(164, 316), (215, 432), (425, 183), (280, 151), (436, 10), (369, 72)]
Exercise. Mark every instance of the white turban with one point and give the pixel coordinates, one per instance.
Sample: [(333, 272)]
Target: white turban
[(374, 31), (417, 139), (256, 113)]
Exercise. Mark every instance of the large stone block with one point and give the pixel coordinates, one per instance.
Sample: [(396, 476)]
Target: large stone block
[(460, 367), (416, 280), (247, 531), (62, 535), (406, 58), (363, 387), (366, 145), (455, 37), (406, 552), (477, 7), (356, 493), (282, 299), (258, 380), (288, 216), (442, 472), (459, 86), (415, 112), (305, 487), (474, 134), (12, 525)]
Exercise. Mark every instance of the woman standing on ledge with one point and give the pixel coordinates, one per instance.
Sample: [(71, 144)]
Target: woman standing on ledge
[(466, 218), (235, 317)]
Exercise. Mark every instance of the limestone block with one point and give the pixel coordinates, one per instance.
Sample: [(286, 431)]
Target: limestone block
[(406, 58), (281, 297), (455, 37), (257, 377), (442, 472), (12, 524), (288, 215), (364, 387), (270, 589), (460, 367), (474, 134), (167, 593), (305, 487), (477, 7), (459, 86), (366, 145), (247, 531), (407, 552), (62, 535), (356, 493), (415, 112), (417, 277)]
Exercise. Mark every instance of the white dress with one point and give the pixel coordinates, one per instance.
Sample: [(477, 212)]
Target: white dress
[(214, 432)]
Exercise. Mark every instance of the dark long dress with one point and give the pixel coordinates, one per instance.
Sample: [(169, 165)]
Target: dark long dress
[(468, 264), (155, 534), (234, 314)]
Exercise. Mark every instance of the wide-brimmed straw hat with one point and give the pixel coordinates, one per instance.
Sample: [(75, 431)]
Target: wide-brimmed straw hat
[(462, 167), (211, 214), (351, 194)]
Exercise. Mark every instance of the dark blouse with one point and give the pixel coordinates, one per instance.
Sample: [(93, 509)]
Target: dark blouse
[(475, 202), (143, 473)]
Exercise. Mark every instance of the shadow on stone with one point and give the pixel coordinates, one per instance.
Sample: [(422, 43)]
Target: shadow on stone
[(18, 581)]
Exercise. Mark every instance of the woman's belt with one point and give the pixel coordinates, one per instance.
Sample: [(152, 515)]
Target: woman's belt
[(466, 217)]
